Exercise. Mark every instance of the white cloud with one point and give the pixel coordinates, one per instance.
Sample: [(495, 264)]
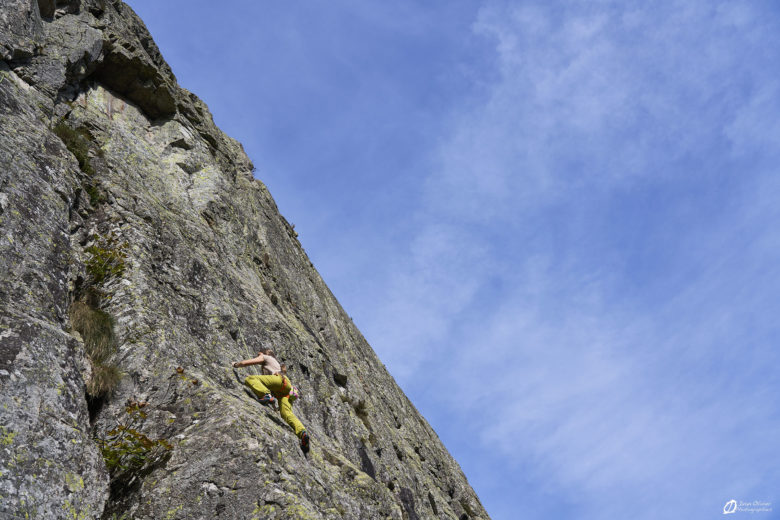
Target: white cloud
[(600, 399), (605, 382)]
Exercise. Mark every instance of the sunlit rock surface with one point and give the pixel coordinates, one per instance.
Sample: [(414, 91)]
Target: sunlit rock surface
[(200, 270)]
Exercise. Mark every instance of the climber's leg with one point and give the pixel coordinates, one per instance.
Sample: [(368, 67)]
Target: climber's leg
[(285, 409), (257, 386)]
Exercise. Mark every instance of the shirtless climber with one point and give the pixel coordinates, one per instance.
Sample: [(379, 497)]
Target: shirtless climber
[(274, 385)]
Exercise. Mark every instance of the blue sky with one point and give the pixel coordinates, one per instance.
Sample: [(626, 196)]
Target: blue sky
[(557, 223)]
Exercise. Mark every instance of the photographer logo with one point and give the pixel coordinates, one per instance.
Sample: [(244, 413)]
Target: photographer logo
[(756, 506)]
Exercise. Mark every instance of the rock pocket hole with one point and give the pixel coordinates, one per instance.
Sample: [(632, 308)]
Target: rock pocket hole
[(419, 454), (433, 504), (340, 379)]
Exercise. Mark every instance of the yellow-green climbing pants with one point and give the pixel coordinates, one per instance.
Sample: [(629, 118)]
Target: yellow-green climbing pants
[(279, 387)]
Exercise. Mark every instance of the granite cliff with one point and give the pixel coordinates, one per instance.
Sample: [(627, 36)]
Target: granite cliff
[(139, 256)]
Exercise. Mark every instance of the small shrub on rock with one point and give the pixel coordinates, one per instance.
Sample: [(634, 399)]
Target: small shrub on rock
[(127, 451)]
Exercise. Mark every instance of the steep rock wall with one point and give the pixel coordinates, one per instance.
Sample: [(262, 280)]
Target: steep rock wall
[(119, 193)]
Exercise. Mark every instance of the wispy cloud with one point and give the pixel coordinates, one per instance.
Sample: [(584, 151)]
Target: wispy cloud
[(596, 252), (623, 408)]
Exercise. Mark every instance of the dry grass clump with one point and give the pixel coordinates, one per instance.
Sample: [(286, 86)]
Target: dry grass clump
[(105, 377), (97, 330)]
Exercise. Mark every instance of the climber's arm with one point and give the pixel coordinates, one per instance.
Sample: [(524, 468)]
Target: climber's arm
[(245, 363)]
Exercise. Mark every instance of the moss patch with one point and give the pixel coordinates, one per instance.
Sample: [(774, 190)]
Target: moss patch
[(77, 142)]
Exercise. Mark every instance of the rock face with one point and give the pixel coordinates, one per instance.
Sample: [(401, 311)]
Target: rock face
[(135, 239)]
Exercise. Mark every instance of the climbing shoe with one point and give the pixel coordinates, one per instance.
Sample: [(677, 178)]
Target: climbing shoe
[(305, 442), (267, 399)]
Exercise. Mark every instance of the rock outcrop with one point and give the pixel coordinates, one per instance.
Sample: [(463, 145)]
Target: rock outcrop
[(139, 257)]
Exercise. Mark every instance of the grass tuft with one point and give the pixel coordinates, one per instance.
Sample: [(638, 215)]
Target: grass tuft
[(97, 330), (107, 258), (105, 378)]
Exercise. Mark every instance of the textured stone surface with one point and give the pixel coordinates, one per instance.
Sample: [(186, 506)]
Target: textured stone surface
[(49, 463), (22, 28), (212, 273)]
